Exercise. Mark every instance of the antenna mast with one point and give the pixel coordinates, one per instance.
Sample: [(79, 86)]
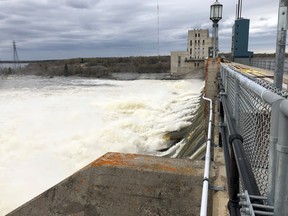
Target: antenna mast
[(158, 32), (239, 9)]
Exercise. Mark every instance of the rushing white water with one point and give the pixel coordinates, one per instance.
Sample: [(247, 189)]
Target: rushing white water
[(50, 128)]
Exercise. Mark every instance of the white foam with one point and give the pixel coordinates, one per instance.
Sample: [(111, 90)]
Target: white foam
[(50, 128)]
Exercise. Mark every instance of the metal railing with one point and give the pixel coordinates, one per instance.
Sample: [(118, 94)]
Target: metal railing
[(267, 63), (254, 132), (204, 199)]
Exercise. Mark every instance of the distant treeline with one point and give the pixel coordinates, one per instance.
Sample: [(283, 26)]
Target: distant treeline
[(255, 55), (99, 67)]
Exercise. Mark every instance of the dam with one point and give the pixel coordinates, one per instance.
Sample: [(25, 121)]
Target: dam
[(225, 153), (171, 182)]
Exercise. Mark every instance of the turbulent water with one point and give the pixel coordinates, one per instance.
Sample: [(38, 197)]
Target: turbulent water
[(50, 128)]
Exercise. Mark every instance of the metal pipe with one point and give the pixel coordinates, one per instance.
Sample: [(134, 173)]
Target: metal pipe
[(281, 43), (284, 107), (257, 197), (263, 206), (204, 200), (281, 189), (226, 149), (273, 139), (233, 204), (222, 128), (268, 96), (214, 42), (243, 163), (232, 173), (263, 213)]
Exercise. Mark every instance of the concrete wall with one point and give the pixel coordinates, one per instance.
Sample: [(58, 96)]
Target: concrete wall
[(177, 61), (181, 64), (124, 184)]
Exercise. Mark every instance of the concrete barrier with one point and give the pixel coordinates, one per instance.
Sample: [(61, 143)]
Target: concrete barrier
[(124, 184)]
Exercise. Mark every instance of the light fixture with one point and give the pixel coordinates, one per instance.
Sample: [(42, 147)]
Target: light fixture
[(215, 16)]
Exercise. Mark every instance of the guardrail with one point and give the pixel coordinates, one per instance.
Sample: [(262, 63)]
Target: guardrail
[(254, 134), (267, 63)]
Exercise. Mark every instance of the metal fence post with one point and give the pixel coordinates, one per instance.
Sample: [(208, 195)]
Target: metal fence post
[(273, 139), (281, 189), (281, 43)]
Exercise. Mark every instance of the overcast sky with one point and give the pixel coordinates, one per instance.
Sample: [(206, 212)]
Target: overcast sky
[(53, 29)]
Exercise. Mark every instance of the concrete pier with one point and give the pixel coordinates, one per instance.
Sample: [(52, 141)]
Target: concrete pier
[(124, 184)]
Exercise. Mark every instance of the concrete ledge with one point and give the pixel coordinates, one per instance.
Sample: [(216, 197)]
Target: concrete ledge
[(124, 184)]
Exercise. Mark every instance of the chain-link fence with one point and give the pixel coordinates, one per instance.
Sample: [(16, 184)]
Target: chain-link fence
[(252, 118), (250, 104), (267, 63)]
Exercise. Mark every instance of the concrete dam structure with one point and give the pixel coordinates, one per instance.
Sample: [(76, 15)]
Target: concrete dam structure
[(244, 171), (131, 184), (124, 184)]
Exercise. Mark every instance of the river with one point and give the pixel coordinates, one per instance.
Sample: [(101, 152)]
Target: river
[(52, 127)]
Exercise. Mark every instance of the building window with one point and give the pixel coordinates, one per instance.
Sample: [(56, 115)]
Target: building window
[(195, 64), (203, 42), (198, 64), (198, 42), (190, 51), (179, 61), (190, 42), (195, 42)]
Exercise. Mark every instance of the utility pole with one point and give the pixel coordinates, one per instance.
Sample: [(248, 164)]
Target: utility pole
[(281, 43)]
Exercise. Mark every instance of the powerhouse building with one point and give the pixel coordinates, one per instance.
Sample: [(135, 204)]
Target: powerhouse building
[(199, 46)]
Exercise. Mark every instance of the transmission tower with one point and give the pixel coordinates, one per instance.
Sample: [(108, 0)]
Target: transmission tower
[(15, 56)]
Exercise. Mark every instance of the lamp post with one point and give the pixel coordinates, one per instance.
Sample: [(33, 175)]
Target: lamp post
[(215, 16)]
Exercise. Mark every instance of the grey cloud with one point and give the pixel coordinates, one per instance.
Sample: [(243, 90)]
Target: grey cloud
[(105, 28), (3, 16), (83, 4)]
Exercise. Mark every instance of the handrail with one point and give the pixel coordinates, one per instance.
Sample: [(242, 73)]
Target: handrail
[(267, 95), (204, 200)]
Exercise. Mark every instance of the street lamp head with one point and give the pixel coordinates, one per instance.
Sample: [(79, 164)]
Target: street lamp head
[(216, 12)]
